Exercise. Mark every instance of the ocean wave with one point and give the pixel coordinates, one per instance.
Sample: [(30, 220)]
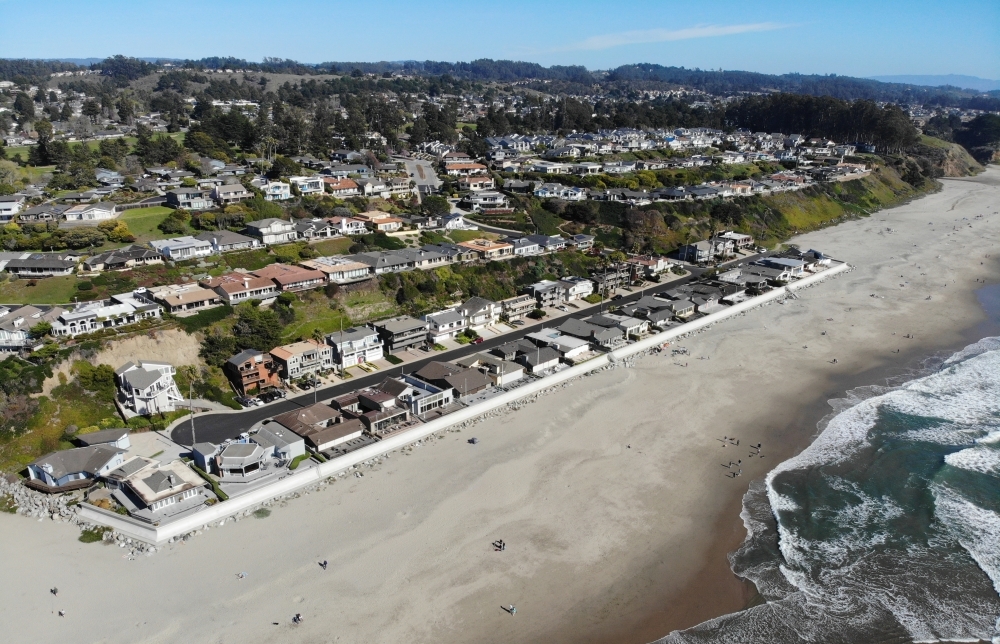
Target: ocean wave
[(877, 530), (982, 459)]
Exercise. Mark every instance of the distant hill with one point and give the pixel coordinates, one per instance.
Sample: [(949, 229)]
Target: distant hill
[(953, 80)]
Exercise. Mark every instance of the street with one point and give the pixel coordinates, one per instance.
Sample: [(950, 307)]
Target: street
[(217, 427)]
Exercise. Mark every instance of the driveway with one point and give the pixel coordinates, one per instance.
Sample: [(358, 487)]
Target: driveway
[(421, 172)]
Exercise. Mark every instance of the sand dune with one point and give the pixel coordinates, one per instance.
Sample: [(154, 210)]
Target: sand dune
[(609, 492)]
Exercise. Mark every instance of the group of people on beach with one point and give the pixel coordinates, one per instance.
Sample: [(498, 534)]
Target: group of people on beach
[(734, 442)]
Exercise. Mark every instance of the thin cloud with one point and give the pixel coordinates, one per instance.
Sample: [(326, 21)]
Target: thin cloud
[(608, 41)]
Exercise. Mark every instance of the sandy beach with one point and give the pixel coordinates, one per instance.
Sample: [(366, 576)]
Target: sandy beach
[(609, 492)]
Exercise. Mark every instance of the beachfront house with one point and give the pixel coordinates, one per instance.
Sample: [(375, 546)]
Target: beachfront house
[(303, 358), (148, 387), (73, 469), (355, 345)]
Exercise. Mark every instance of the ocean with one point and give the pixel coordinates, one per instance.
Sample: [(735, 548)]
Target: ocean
[(887, 527)]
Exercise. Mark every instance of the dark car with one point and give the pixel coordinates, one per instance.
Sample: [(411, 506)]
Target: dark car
[(617, 297)]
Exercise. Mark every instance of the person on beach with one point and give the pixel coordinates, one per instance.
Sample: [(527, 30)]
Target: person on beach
[(55, 591), (323, 564), (512, 610)]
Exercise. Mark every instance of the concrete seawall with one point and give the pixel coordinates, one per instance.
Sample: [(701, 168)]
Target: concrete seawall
[(223, 510)]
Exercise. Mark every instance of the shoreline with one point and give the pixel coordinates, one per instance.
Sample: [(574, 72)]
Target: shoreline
[(608, 492), (720, 581)]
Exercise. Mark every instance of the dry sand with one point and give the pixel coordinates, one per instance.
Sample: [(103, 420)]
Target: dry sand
[(609, 492)]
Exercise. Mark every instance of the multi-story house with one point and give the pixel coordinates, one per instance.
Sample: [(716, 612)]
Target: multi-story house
[(190, 199), (120, 310), (302, 358), (276, 191), (147, 388), (235, 288), (576, 288), (517, 307), (341, 187), (272, 231), (251, 369), (230, 193), (349, 225), (16, 323), (401, 333), (308, 185), (444, 325), (546, 293), (487, 249), (355, 345), (480, 312), (181, 248)]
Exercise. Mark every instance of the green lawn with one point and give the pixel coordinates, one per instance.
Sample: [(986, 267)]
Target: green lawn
[(459, 236), (143, 222), (333, 246), (48, 290), (313, 313)]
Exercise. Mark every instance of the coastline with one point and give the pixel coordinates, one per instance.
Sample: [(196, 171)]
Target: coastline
[(609, 491)]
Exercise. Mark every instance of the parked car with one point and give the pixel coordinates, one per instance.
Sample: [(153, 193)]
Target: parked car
[(477, 341), (517, 323), (617, 297)]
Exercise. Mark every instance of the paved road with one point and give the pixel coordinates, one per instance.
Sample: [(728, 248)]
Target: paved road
[(216, 428), (416, 167)]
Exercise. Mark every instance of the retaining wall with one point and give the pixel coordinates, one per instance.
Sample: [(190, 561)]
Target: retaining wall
[(158, 534)]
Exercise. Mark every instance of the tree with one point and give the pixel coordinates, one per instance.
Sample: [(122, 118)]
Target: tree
[(42, 329), (24, 106), (217, 347), (257, 328), (91, 109), (66, 113), (283, 167), (436, 205)]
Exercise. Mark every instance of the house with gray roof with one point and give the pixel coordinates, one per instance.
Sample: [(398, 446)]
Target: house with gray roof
[(73, 469), (223, 241), (152, 491), (113, 437), (279, 442), (444, 325), (147, 388)]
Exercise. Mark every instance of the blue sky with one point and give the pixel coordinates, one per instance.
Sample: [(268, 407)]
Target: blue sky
[(857, 38)]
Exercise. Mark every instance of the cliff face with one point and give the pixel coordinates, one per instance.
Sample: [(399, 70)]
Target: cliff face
[(946, 159)]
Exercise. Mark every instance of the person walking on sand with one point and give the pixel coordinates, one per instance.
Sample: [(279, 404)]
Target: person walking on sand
[(323, 564), (54, 591), (512, 610)]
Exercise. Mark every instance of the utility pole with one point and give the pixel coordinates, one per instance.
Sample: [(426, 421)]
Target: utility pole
[(191, 411)]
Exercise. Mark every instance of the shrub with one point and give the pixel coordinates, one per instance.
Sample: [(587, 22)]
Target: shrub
[(297, 460), (85, 286), (262, 513), (94, 534)]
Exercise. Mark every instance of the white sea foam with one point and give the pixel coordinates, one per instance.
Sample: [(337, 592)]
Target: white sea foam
[(976, 528), (982, 458)]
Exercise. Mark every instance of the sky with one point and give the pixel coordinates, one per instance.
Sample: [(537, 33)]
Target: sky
[(846, 37)]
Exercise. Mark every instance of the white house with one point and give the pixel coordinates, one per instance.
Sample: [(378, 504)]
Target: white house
[(444, 325), (480, 312), (308, 185), (354, 346), (576, 288), (10, 205), (272, 231), (179, 248), (276, 191), (91, 212), (73, 468), (148, 387)]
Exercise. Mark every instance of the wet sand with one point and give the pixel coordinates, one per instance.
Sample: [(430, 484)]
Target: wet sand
[(609, 492)]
